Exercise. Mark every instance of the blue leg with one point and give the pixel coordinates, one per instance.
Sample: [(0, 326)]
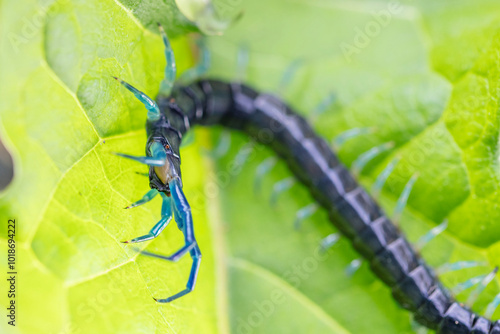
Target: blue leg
[(222, 146), (304, 213), (492, 307), (146, 198), (403, 199), (157, 158), (353, 267), (366, 157), (201, 68), (184, 221), (329, 241), (242, 60), (323, 106), (170, 69), (193, 276), (281, 186), (447, 267), (350, 134), (434, 232), (166, 217), (289, 73), (480, 288), (382, 178), (262, 169), (149, 103)]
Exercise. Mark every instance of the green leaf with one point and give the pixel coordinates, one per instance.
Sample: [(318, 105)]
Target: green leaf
[(426, 80)]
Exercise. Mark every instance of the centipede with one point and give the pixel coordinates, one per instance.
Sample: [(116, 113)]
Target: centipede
[(269, 121)]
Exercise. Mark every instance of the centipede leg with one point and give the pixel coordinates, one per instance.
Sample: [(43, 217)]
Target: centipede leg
[(304, 213), (193, 276), (184, 220), (201, 68), (363, 159), (146, 198), (350, 134), (262, 169), (353, 267), (289, 73), (383, 176), (447, 267), (166, 218), (434, 232), (222, 146), (167, 83), (280, 187), (403, 199), (322, 106), (329, 241), (242, 61)]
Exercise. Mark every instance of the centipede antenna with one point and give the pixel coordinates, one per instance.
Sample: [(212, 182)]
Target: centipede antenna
[(222, 146), (146, 198), (426, 238), (491, 308), (150, 104), (281, 186), (363, 159), (351, 269), (322, 106), (480, 287), (166, 217), (467, 284), (403, 199), (339, 140), (447, 267), (142, 173), (242, 61), (329, 241), (382, 177), (304, 213), (167, 83), (201, 68), (288, 75), (262, 169)]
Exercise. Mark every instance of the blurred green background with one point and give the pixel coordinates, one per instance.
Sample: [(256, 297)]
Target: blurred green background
[(422, 74)]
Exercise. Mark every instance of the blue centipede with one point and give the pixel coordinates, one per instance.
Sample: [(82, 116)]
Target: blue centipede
[(351, 209)]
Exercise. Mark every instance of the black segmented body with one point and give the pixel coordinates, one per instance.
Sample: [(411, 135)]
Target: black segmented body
[(351, 209)]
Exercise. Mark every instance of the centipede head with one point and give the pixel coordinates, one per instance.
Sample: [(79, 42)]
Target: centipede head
[(160, 176)]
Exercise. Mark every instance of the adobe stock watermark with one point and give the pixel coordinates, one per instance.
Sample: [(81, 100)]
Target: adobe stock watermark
[(364, 35), (296, 275), (32, 25)]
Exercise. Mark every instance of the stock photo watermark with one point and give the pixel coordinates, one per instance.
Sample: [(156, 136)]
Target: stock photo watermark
[(295, 276), (11, 272), (365, 34)]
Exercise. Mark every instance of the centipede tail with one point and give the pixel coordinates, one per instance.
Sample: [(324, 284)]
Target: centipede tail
[(351, 209)]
